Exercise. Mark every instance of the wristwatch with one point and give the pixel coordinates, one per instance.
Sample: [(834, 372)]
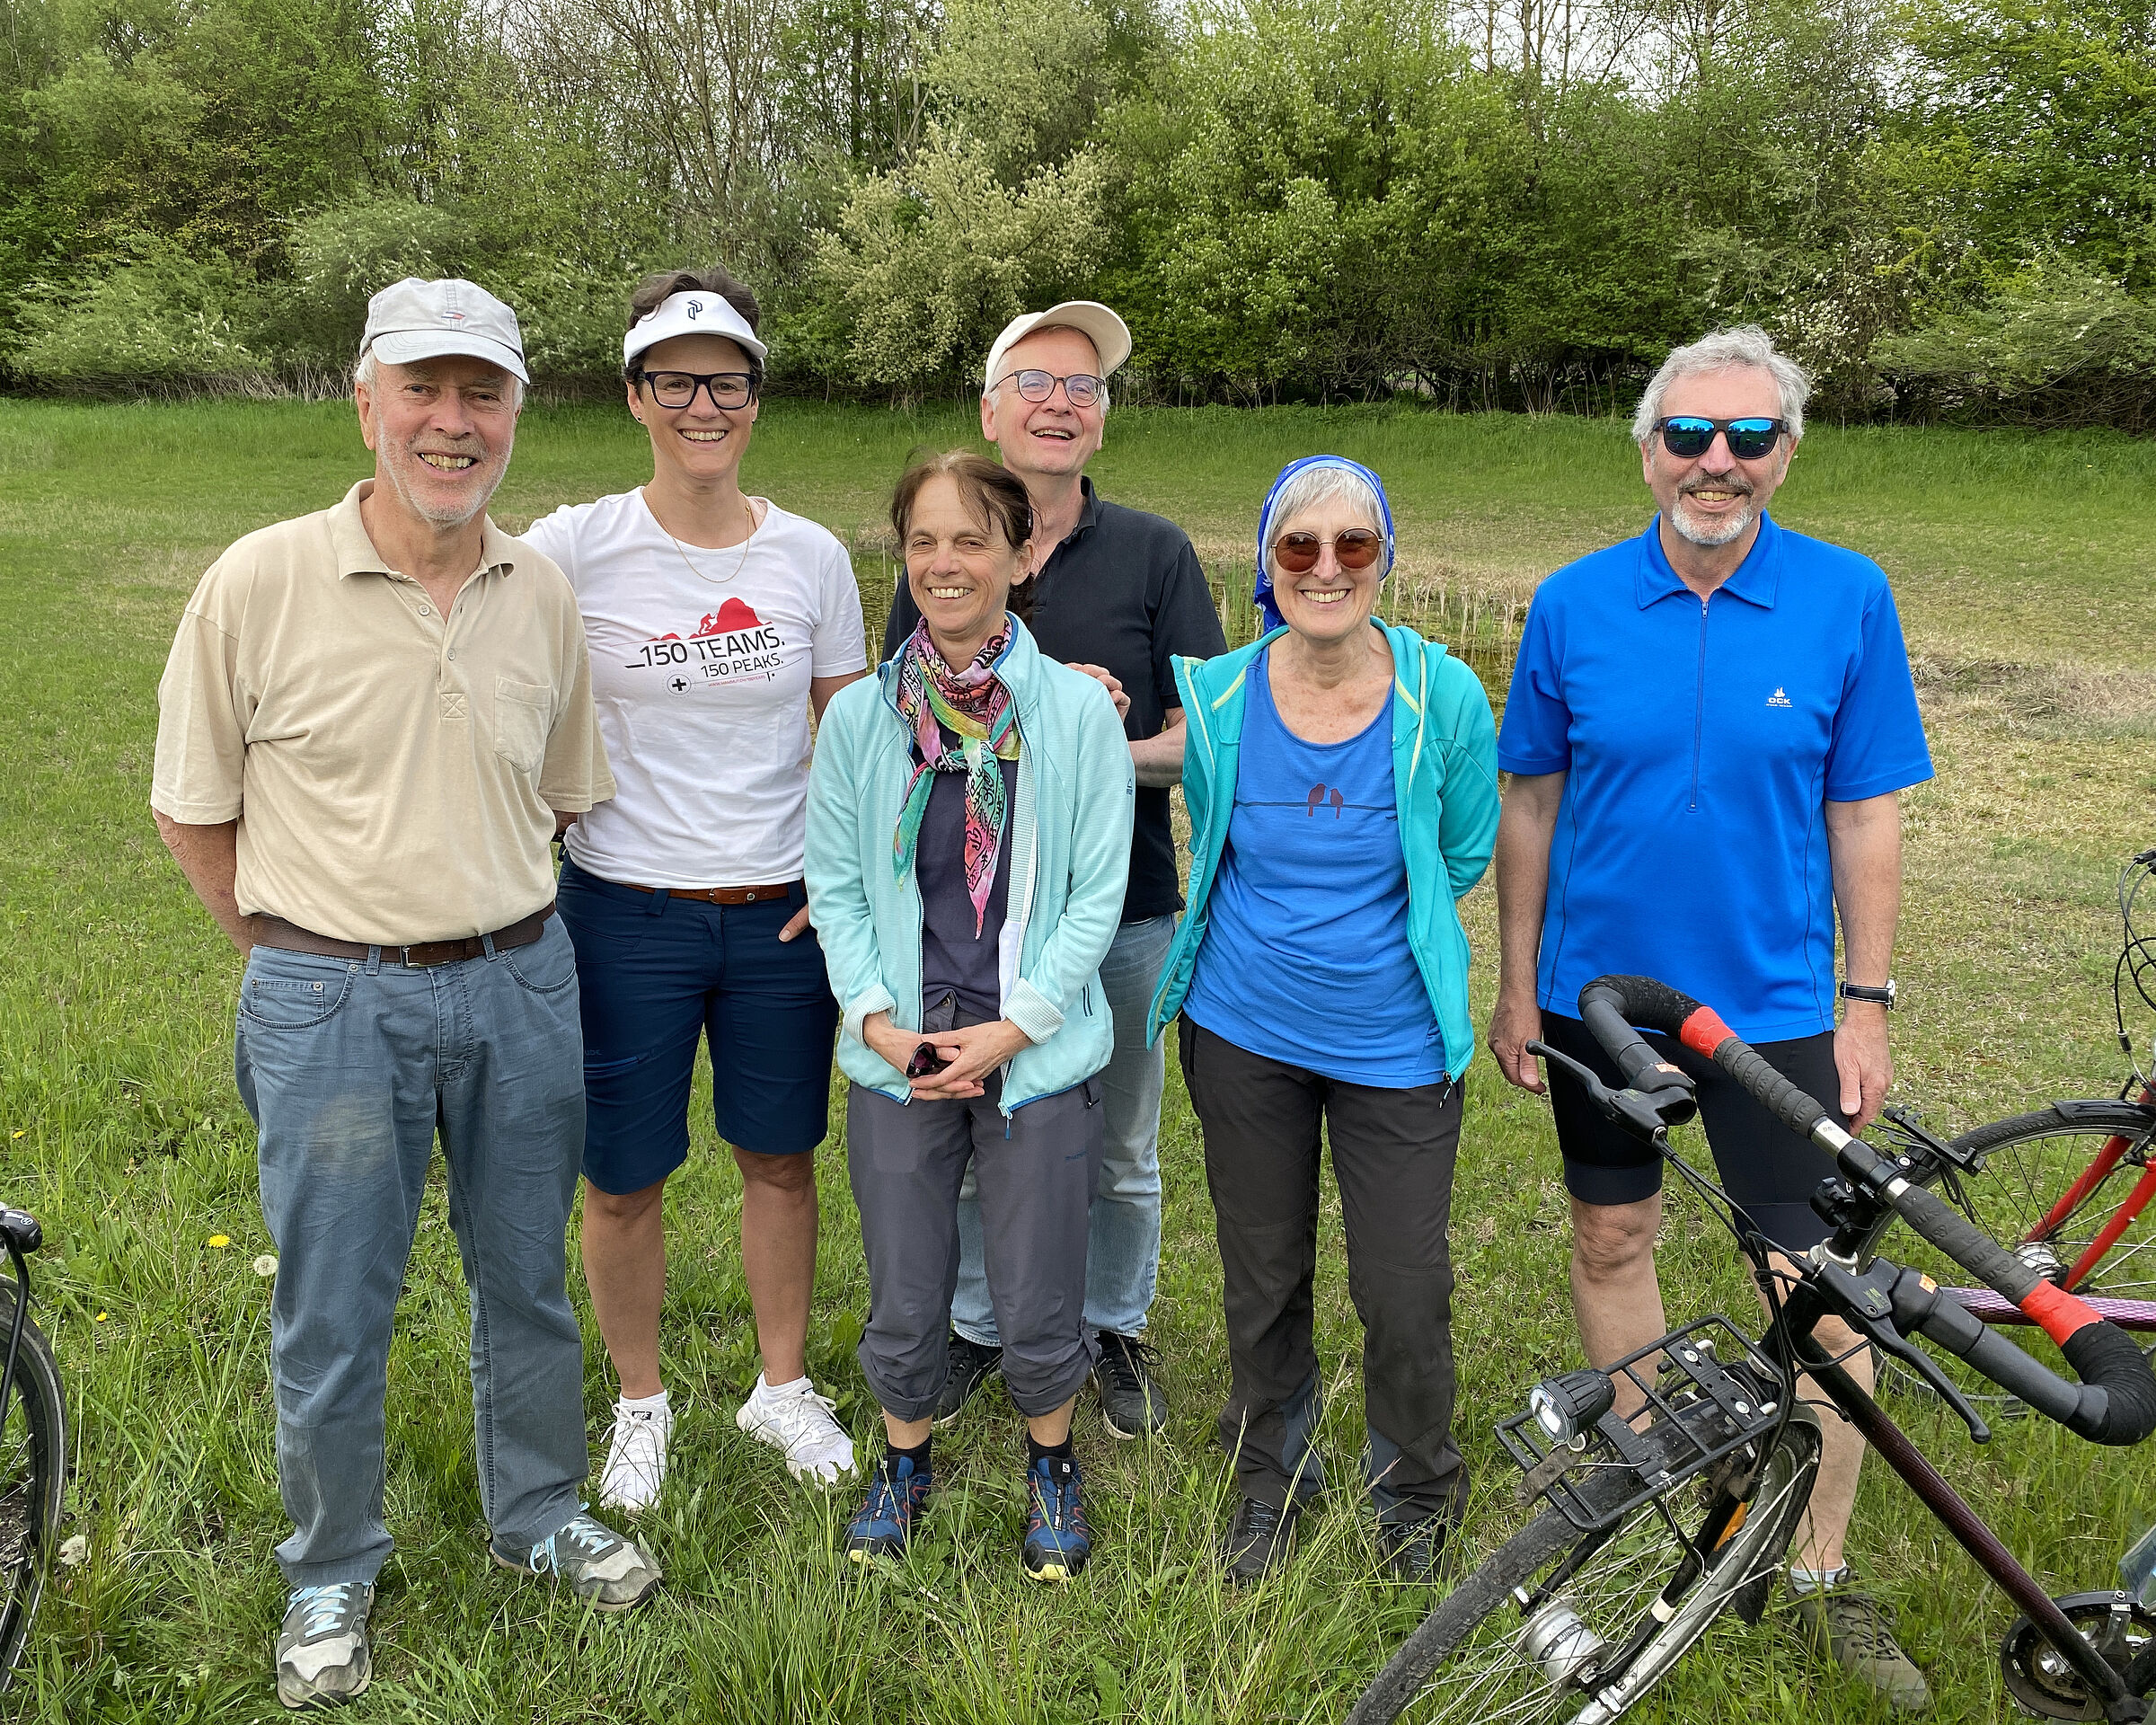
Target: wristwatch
[(1865, 991)]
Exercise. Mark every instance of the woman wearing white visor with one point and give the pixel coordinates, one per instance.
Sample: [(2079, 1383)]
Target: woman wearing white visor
[(716, 621)]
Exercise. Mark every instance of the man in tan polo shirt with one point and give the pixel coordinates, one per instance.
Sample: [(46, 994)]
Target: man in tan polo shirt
[(373, 723)]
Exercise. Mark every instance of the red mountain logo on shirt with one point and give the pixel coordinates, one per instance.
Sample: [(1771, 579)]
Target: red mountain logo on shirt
[(729, 619)]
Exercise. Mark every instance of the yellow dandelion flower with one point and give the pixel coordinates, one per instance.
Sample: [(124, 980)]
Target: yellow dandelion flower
[(218, 1242)]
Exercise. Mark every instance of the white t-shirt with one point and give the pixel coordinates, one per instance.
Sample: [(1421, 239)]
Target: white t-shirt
[(700, 677)]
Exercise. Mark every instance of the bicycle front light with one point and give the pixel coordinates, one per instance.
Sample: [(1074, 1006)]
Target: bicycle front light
[(1567, 1406)]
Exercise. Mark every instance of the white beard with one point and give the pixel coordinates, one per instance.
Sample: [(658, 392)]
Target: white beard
[(1711, 534)]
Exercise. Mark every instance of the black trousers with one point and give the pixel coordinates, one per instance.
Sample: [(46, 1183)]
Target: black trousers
[(1393, 1157)]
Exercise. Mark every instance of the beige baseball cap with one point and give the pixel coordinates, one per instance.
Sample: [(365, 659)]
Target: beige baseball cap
[(1108, 334), (413, 320)]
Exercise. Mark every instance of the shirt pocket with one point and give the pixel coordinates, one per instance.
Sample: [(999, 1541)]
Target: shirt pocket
[(521, 715)]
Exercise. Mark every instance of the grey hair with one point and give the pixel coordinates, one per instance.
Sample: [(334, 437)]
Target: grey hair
[(1746, 345), (1315, 485), (364, 370)]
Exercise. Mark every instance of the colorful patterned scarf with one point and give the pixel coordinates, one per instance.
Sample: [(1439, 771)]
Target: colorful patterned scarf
[(975, 706)]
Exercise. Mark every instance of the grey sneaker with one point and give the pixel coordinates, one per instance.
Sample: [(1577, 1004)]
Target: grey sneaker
[(599, 1564), (322, 1658), (1131, 1402), (1855, 1630)]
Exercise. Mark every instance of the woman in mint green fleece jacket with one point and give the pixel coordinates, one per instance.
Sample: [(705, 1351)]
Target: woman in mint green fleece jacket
[(1341, 779), (969, 816)]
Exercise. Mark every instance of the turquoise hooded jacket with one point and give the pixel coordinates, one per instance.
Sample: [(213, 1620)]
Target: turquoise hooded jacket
[(1069, 837), (1444, 776)]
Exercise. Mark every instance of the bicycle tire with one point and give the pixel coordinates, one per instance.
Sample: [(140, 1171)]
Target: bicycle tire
[(1467, 1631), (2031, 1162), (34, 1465)]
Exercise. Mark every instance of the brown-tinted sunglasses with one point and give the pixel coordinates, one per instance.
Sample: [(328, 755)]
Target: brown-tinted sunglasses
[(1298, 553)]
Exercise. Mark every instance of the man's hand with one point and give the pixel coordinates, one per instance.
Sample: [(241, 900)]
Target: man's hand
[(973, 1053), (1517, 1023), (1861, 1058), (1109, 680), (795, 924)]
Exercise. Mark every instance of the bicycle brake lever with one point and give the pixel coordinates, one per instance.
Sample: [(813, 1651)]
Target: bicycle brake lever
[(1850, 1298), (1647, 1114)]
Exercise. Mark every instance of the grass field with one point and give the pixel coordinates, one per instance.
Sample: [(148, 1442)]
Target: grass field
[(2022, 567)]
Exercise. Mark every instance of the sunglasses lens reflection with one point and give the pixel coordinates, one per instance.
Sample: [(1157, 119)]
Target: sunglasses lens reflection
[(1688, 438), (1358, 548), (1298, 553)]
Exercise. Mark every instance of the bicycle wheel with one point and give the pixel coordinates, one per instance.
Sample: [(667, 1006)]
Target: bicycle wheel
[(1483, 1655), (2026, 1197), (33, 1452)]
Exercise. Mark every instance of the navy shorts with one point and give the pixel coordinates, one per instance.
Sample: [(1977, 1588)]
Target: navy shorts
[(1761, 1164), (657, 974)]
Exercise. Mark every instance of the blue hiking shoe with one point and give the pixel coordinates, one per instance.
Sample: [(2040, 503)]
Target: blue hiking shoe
[(1058, 1537), (898, 1494)]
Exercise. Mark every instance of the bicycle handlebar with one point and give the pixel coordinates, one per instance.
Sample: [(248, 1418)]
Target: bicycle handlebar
[(2116, 1401)]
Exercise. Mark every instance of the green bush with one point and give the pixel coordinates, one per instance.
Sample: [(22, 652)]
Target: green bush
[(166, 319), (2058, 344)]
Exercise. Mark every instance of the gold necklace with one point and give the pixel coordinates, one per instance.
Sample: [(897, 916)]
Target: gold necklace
[(681, 550)]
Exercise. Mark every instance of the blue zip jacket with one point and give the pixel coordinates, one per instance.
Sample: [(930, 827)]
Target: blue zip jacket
[(1445, 775), (1068, 833)]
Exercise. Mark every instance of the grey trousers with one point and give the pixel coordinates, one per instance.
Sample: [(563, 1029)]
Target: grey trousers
[(1036, 1171), (1393, 1157)]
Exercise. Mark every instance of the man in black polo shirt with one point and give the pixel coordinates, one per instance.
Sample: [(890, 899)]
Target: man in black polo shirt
[(1117, 590)]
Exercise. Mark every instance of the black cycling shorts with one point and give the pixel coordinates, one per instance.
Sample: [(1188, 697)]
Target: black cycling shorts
[(1763, 1165)]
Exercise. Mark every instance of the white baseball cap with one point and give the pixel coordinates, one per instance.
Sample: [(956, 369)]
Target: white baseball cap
[(693, 312), (413, 320), (1108, 334)]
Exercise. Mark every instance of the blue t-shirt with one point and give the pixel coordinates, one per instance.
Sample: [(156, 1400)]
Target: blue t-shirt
[(1305, 957), (1700, 742)]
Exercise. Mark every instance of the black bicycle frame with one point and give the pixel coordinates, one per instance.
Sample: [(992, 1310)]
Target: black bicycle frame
[(1789, 1340), (14, 1328)]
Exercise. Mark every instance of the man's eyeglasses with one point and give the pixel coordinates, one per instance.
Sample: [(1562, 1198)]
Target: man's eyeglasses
[(676, 389), (1298, 553), (1688, 437), (1081, 389)]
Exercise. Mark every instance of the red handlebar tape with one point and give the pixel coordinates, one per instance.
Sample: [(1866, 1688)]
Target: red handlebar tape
[(2060, 1313), (1703, 1032)]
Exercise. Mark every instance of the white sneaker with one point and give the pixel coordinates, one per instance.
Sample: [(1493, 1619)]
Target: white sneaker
[(798, 1422), (636, 1460)]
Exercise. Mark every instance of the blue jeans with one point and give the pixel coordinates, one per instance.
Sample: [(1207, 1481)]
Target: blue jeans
[(349, 1067), (1122, 1238)]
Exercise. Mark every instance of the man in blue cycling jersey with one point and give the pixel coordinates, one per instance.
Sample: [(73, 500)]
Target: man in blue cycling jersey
[(1706, 730)]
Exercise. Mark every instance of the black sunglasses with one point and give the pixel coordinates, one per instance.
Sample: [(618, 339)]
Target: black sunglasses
[(1687, 435), (676, 389)]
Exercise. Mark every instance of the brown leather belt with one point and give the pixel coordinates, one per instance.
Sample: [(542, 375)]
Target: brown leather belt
[(719, 895), (290, 937)]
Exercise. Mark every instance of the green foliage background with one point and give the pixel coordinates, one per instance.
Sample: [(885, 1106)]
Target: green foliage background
[(1946, 206)]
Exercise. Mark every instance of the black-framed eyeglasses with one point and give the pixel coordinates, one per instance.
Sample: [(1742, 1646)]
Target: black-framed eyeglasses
[(1688, 436), (677, 389), (1081, 388)]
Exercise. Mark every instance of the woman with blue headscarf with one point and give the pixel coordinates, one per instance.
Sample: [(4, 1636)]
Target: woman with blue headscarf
[(1341, 778)]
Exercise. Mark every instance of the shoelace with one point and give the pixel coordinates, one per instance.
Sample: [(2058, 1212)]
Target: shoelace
[(794, 1419), (1858, 1619), (1055, 1501), (1256, 1521), (1130, 1363), (586, 1538), (323, 1608), (886, 1500)]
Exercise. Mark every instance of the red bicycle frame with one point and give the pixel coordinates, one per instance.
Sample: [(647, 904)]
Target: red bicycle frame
[(2123, 1218)]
